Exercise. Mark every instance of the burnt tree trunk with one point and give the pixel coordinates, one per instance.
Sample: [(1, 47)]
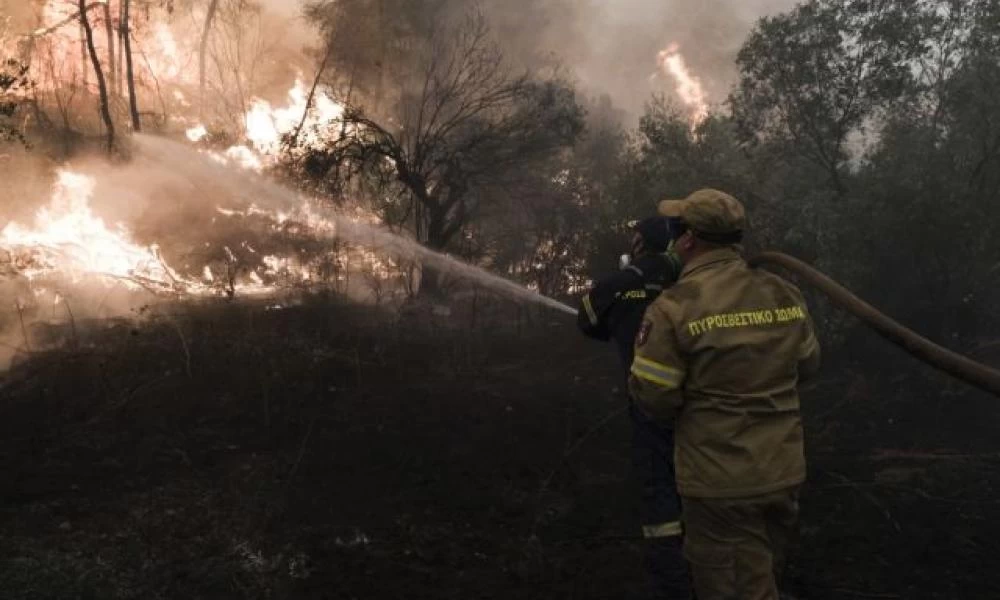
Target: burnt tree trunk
[(84, 58), (437, 230), (129, 72), (110, 31), (119, 69), (99, 73), (203, 54)]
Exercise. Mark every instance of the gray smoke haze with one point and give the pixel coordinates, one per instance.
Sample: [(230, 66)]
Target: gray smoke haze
[(612, 45), (18, 15)]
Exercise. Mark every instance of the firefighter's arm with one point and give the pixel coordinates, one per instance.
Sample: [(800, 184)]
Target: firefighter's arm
[(658, 371), (809, 354), (592, 314), (809, 349)]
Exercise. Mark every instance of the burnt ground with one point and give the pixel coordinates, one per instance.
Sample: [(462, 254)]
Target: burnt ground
[(325, 451)]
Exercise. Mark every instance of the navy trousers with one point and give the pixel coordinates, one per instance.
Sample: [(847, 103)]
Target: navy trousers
[(653, 463)]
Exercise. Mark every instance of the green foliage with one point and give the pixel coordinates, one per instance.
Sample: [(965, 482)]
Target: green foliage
[(865, 138), (811, 77)]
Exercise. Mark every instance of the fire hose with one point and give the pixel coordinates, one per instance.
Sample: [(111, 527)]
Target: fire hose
[(953, 363)]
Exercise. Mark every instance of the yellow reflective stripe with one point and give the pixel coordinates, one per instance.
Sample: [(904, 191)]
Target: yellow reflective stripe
[(657, 373), (659, 366), (662, 530), (587, 306)]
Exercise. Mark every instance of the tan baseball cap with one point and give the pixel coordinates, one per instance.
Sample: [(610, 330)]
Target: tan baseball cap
[(708, 211)]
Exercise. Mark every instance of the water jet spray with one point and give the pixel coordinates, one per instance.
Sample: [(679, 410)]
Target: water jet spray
[(202, 172)]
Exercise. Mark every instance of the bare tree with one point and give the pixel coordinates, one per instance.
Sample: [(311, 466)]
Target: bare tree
[(237, 56), (213, 6), (110, 32), (126, 33), (465, 123), (371, 43), (99, 73)]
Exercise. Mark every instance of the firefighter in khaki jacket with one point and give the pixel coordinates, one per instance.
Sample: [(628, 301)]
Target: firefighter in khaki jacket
[(719, 355)]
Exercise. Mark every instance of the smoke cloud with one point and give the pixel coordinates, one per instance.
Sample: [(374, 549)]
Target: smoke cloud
[(612, 45), (17, 15)]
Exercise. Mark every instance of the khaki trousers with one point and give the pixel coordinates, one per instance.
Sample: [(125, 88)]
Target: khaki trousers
[(737, 546)]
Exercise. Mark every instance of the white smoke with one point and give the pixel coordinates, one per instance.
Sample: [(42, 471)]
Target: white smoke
[(612, 45)]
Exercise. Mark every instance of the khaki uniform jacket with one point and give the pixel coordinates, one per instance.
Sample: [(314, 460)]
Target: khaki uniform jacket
[(720, 354)]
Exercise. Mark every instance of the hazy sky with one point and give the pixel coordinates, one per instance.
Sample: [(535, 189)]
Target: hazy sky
[(612, 45), (617, 41)]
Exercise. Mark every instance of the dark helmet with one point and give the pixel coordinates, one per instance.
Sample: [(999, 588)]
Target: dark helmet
[(655, 233)]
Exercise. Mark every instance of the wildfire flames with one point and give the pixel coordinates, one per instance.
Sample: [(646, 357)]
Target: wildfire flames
[(251, 250), (158, 55), (266, 127), (68, 243), (67, 238), (689, 87)]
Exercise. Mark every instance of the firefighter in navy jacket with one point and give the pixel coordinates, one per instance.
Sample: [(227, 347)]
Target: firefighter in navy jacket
[(613, 310)]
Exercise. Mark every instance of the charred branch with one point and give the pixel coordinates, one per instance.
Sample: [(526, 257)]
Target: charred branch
[(309, 100)]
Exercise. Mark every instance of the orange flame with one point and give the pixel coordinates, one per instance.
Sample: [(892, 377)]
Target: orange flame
[(68, 243), (689, 86), (266, 127), (68, 239), (158, 54)]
